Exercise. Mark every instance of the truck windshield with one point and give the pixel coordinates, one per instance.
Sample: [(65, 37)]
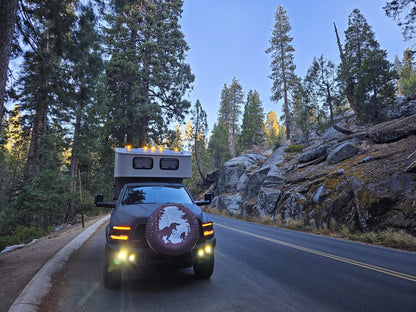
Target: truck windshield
[(156, 194)]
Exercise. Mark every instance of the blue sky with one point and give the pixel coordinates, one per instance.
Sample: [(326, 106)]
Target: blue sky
[(227, 38)]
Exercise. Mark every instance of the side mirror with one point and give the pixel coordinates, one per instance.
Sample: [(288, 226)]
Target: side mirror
[(99, 202), (206, 201), (98, 198)]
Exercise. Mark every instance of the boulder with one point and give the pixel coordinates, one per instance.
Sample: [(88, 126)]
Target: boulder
[(274, 177), (231, 172), (394, 130), (342, 152), (254, 182), (313, 153), (267, 199), (231, 202)]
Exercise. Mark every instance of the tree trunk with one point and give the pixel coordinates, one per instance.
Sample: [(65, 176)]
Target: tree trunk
[(331, 114), (74, 169), (8, 11)]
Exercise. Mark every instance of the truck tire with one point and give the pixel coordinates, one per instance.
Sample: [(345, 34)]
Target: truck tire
[(111, 273), (172, 230), (204, 269)]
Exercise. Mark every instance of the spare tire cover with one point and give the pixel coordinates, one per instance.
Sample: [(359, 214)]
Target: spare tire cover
[(172, 230)]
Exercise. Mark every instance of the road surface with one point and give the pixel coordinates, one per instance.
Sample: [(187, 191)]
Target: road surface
[(258, 268)]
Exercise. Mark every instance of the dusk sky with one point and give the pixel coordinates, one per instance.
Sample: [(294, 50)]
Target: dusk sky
[(228, 38)]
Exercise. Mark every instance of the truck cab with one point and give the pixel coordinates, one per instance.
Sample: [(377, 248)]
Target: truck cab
[(155, 221)]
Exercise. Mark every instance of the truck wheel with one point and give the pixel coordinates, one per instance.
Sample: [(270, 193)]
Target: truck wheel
[(111, 273), (172, 230), (205, 268)]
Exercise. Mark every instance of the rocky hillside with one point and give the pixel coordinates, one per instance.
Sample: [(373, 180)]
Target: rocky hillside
[(366, 181)]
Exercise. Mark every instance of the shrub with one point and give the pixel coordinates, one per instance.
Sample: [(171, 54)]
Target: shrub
[(22, 235), (294, 148)]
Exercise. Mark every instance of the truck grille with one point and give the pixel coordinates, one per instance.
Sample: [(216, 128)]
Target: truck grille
[(138, 236)]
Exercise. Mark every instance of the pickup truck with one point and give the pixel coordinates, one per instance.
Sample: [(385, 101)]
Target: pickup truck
[(155, 221)]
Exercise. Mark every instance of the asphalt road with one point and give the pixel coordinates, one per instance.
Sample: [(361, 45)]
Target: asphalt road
[(258, 268)]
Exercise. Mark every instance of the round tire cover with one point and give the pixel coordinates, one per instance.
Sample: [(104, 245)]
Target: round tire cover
[(172, 230)]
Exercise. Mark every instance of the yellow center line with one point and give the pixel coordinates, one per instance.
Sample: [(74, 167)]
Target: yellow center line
[(326, 255)]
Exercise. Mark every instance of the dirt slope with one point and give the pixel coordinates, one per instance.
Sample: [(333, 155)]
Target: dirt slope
[(17, 267)]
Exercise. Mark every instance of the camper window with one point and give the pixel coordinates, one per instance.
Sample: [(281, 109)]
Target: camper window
[(142, 163), (169, 163)]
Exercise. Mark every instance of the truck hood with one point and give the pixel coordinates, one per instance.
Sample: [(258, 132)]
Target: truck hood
[(126, 215)]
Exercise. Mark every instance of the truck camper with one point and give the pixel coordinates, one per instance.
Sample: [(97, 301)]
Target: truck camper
[(155, 221)]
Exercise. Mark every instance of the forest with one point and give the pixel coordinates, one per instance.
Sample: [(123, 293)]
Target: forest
[(80, 78)]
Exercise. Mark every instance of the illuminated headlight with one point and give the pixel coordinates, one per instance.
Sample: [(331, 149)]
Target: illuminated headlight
[(124, 256), (208, 249), (205, 251)]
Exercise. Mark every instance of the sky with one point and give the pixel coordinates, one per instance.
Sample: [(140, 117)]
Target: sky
[(228, 38)]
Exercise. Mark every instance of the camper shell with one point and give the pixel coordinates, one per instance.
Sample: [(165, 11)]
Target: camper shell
[(150, 164)]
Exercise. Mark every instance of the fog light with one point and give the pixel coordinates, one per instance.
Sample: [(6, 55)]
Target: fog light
[(122, 256), (208, 249), (132, 258), (201, 253)]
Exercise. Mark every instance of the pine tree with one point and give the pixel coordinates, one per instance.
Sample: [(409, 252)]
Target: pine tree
[(303, 112), (218, 147), (282, 65), (199, 118), (252, 129), (359, 41), (8, 13), (43, 85), (322, 85), (375, 90), (407, 72), (13, 160), (85, 68), (147, 74), (232, 98)]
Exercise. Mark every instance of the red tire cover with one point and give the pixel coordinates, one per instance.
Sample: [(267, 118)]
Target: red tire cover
[(172, 230)]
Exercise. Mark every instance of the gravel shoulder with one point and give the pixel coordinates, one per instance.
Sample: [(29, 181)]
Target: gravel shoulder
[(18, 267)]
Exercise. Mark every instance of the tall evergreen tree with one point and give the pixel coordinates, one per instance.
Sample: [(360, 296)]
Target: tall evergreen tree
[(252, 129), (43, 93), (282, 65), (232, 98), (375, 90), (218, 147), (199, 119), (14, 153), (359, 41), (147, 74), (8, 13), (321, 82), (85, 67), (303, 112), (407, 72)]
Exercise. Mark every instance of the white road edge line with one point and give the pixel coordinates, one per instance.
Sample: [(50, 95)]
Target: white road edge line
[(39, 286)]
